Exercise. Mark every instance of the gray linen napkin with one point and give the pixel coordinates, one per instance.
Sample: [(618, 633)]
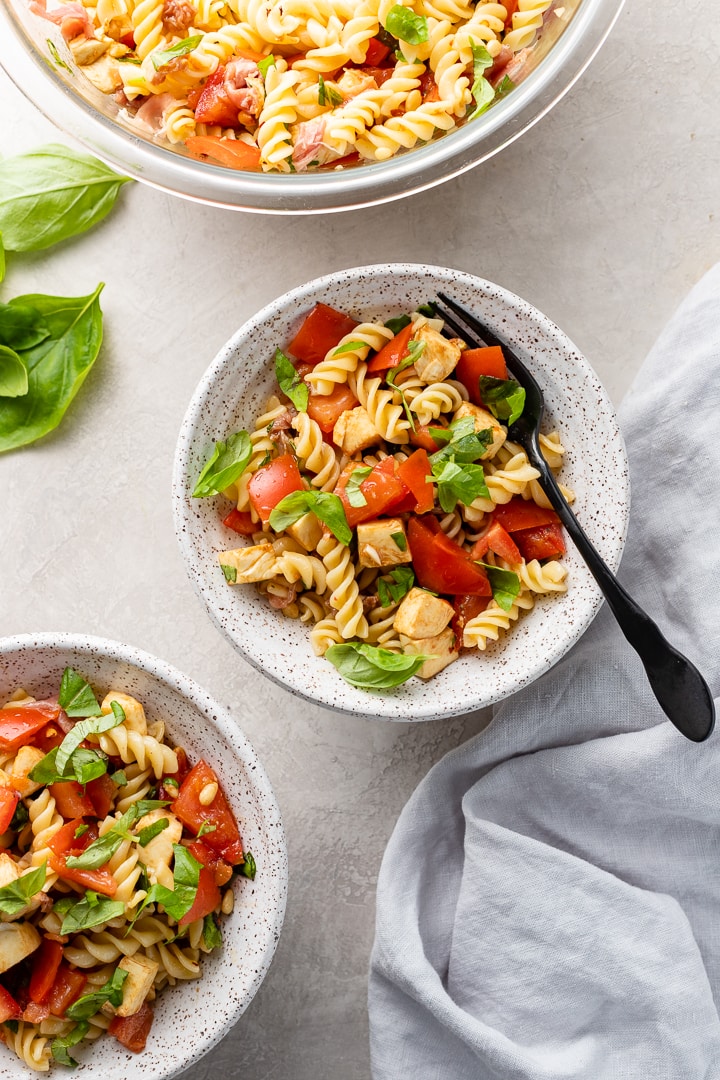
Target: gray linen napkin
[(549, 903)]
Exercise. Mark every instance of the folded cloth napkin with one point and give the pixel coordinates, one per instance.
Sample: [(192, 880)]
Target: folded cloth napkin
[(549, 903)]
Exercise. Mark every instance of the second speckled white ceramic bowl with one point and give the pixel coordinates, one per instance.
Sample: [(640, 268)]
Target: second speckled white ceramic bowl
[(192, 1016), (232, 393)]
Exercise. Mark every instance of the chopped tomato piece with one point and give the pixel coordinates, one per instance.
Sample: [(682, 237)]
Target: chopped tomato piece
[(206, 899), (34, 1013), (9, 1008), (102, 792), (49, 737), (511, 7), (382, 489), (19, 723), (132, 1031), (428, 87), (391, 354), (476, 362), (270, 484), (222, 870), (520, 513), (71, 800), (45, 963), (240, 521), (422, 436), (128, 41), (498, 540), (466, 608), (321, 330), (212, 102), (414, 472), (542, 542), (325, 409), (67, 987), (188, 808), (8, 802), (100, 881), (440, 564), (376, 52), (379, 74), (232, 153), (348, 159), (65, 842)]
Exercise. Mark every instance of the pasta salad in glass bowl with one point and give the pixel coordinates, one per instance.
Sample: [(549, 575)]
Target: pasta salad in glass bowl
[(127, 821), (384, 513)]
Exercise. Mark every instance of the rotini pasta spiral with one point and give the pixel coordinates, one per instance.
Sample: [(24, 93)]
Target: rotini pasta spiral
[(487, 626), (132, 746), (345, 595), (383, 406), (319, 458), (344, 358)]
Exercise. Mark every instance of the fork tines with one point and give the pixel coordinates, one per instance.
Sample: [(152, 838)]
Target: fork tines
[(482, 333)]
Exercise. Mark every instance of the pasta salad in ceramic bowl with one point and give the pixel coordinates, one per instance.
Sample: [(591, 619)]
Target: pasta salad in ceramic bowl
[(355, 515), (142, 861)]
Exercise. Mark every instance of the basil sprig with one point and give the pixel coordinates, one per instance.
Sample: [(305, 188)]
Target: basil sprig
[(265, 65), (212, 935), (392, 591), (15, 896), (482, 91), (225, 464), (505, 585), (290, 382), (352, 489), (505, 398), (83, 765), (102, 850), (91, 911), (326, 506), (93, 725), (178, 900), (398, 324), (458, 483), (248, 868), (51, 194), (415, 351), (151, 831), (370, 667), (89, 1004), (76, 696), (406, 25), (21, 326), (59, 1046), (461, 442), (161, 57)]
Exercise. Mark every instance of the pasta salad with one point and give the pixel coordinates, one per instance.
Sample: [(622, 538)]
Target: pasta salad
[(383, 503), (117, 860), (289, 86)]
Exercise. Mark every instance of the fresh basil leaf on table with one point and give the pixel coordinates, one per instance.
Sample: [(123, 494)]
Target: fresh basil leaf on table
[(13, 374), (370, 667), (57, 366), (21, 327), (2, 259), (226, 463), (51, 194)]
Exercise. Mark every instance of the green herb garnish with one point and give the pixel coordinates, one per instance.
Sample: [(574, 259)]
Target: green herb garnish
[(326, 506), (89, 1004), (248, 868), (505, 398), (482, 91), (400, 540), (15, 896), (406, 25), (352, 489), (76, 696), (458, 483), (505, 585), (161, 57), (401, 582), (224, 466), (59, 1046), (370, 667), (151, 831), (91, 911), (212, 936), (290, 382)]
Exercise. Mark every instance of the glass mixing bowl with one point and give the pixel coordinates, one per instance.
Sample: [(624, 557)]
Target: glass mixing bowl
[(30, 47)]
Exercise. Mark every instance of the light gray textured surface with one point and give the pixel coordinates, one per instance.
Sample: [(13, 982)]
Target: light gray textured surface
[(602, 216)]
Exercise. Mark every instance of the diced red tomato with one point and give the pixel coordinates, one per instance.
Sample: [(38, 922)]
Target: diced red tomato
[(511, 7), (521, 513), (128, 41), (8, 802), (428, 87), (270, 484), (325, 409), (222, 870), (232, 153), (348, 159), (440, 564), (383, 491), (240, 521), (466, 608), (391, 354), (34, 1013), (132, 1031), (414, 472), (49, 737), (476, 362), (45, 964), (376, 52), (188, 808), (422, 436), (9, 1008), (542, 542), (67, 987), (102, 792), (322, 329), (206, 899), (19, 723), (100, 881), (212, 102), (65, 842), (498, 540), (379, 74), (71, 800)]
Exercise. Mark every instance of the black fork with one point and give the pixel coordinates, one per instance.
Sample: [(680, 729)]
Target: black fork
[(680, 689)]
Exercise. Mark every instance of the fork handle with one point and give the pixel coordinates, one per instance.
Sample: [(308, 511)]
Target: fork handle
[(680, 689)]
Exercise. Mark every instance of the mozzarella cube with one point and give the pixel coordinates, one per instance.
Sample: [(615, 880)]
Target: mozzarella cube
[(352, 82), (141, 972), (158, 853), (422, 615), (441, 649), (25, 761), (135, 719), (87, 50), (378, 543), (355, 431), (254, 563), (9, 870), (307, 530), (483, 420), (438, 358), (17, 940)]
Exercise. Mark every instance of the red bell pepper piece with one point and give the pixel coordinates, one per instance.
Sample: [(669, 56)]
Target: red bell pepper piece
[(45, 963), (322, 329), (414, 472), (476, 362), (8, 802), (440, 564), (542, 542), (520, 513), (9, 1008), (270, 484), (132, 1031), (391, 354), (225, 837), (240, 521), (325, 409), (20, 723), (67, 987)]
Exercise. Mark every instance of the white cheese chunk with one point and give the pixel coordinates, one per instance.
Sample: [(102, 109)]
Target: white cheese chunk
[(440, 648), (355, 431), (17, 940), (438, 358), (422, 615), (483, 420), (255, 563), (141, 972), (378, 543)]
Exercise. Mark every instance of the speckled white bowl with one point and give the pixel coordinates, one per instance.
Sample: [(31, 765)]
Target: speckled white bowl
[(191, 1017), (231, 394)]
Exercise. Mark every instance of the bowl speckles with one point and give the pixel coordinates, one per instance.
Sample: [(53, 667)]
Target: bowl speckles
[(232, 393), (190, 1017)]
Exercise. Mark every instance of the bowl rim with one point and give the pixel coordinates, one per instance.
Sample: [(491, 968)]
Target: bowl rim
[(377, 707), (217, 716), (418, 170)]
